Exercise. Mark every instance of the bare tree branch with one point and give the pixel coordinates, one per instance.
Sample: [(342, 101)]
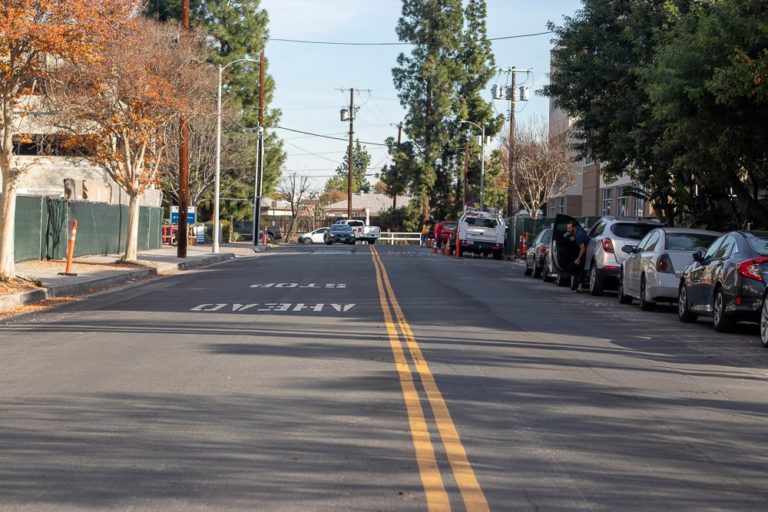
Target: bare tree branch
[(542, 169), (294, 189)]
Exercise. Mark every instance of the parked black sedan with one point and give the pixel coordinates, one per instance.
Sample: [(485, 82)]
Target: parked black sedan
[(727, 282), (340, 233)]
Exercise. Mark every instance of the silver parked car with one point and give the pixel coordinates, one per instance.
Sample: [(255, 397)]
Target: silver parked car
[(651, 272), (604, 255)]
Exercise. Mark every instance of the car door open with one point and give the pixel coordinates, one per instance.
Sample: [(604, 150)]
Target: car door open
[(564, 250)]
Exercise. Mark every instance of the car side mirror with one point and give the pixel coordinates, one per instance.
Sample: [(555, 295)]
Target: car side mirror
[(629, 249), (697, 256)]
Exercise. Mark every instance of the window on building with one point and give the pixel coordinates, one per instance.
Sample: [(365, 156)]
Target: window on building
[(51, 145), (622, 202), (561, 204), (639, 207), (606, 202)]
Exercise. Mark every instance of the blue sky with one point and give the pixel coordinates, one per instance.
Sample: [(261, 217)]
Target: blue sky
[(307, 75)]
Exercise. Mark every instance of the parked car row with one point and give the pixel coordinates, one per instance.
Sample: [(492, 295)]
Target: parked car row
[(705, 273)]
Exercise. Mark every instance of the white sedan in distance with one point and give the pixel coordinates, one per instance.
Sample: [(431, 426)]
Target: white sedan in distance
[(314, 237)]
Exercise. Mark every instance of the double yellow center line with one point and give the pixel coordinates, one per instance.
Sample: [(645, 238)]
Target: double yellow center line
[(431, 478)]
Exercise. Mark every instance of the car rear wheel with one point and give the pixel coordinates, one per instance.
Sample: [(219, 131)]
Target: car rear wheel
[(764, 322), (645, 304), (595, 281), (623, 299), (528, 270), (683, 308), (563, 280), (536, 270), (721, 321), (546, 275)]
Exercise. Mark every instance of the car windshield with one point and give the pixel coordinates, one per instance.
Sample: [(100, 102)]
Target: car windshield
[(689, 241), (547, 236), (631, 230), (450, 226), (759, 244), (479, 221), (340, 228)]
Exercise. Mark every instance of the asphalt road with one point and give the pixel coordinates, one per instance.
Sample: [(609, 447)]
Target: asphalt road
[(376, 379)]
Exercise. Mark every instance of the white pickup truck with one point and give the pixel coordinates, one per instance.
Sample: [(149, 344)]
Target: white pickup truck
[(482, 232), (362, 232)]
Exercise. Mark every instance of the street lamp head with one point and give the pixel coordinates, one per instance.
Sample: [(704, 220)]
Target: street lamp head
[(244, 59)]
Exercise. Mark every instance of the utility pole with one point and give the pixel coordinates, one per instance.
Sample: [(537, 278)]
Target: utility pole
[(510, 95), (258, 182), (511, 193), (348, 114), (350, 162), (399, 136), (466, 171), (181, 238)]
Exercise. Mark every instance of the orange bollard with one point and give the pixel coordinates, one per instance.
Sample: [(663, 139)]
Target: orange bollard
[(70, 249), (458, 245)]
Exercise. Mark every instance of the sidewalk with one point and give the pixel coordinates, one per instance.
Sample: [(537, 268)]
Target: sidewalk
[(98, 272)]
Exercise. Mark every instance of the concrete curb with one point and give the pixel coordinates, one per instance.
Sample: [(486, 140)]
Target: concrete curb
[(85, 287)]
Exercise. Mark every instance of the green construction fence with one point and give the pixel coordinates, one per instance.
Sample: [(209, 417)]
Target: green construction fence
[(42, 224), (520, 226)]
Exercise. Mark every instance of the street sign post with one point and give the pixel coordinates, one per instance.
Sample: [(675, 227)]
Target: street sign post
[(191, 215)]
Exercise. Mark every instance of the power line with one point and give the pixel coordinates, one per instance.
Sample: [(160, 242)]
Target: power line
[(341, 43), (327, 136)]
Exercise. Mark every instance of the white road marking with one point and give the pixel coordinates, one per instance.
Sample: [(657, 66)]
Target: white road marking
[(327, 286), (278, 307)]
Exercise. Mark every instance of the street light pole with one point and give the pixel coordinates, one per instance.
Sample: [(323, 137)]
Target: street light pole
[(482, 161), (217, 178)]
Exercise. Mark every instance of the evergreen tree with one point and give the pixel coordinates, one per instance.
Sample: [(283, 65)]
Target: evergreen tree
[(439, 85), (426, 81), (361, 161), (401, 171), (478, 67)]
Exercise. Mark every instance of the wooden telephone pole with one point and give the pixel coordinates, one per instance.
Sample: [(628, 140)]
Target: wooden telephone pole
[(181, 236), (350, 162)]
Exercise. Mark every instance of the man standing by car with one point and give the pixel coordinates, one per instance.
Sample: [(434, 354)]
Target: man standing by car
[(579, 237)]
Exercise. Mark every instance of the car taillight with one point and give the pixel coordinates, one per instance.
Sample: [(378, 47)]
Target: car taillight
[(664, 265), (751, 268), (607, 245), (543, 249)]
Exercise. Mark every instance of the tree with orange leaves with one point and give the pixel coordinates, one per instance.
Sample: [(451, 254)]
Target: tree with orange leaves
[(33, 35), (121, 105)]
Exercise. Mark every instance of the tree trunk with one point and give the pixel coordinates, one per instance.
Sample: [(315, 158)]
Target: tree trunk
[(7, 222), (132, 236)]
